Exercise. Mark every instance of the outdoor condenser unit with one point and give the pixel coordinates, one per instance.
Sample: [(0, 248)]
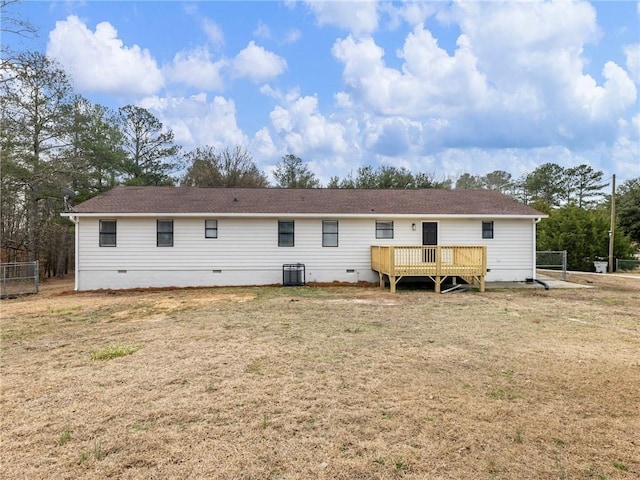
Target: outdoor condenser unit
[(293, 275)]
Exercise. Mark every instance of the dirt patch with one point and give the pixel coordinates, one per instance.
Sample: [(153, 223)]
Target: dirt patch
[(624, 282), (322, 382)]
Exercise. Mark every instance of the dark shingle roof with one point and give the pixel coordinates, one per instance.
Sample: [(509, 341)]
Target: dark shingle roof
[(183, 200)]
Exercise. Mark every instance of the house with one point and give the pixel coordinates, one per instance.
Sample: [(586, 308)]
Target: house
[(187, 236)]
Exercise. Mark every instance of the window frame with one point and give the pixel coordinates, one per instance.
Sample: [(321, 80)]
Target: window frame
[(283, 236), (159, 232), (210, 232), (380, 230), (488, 230), (102, 234), (330, 235)]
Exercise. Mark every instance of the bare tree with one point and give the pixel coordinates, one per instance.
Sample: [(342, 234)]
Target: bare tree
[(12, 25), (208, 167)]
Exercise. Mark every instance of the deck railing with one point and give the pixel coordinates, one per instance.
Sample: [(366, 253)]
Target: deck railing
[(437, 262)]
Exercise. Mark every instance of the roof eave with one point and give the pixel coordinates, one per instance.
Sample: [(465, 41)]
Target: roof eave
[(301, 215)]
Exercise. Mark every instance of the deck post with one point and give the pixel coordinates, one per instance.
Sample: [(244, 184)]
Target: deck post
[(484, 269), (436, 262)]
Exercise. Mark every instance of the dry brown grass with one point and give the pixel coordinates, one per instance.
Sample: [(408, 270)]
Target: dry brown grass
[(313, 382)]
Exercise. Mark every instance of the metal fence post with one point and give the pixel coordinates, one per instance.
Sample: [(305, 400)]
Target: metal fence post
[(37, 275), (564, 265)]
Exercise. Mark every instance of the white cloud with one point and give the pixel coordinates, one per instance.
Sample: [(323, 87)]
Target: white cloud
[(213, 31), (262, 30), (431, 81), (515, 79), (303, 128), (417, 12), (262, 147), (292, 36), (100, 62), (626, 150), (258, 64), (632, 52), (196, 69), (357, 17), (392, 137), (196, 121)]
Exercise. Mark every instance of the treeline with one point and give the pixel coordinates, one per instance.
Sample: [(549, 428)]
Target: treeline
[(56, 144)]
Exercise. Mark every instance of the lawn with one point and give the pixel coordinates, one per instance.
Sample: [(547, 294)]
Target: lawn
[(322, 382)]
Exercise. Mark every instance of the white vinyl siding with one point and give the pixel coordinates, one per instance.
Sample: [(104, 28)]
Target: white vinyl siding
[(509, 253), (248, 252)]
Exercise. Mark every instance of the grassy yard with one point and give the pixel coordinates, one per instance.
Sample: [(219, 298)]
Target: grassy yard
[(322, 382)]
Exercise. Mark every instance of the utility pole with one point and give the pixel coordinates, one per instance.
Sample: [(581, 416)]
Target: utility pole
[(613, 221)]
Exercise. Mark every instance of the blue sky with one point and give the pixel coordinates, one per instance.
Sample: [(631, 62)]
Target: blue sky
[(438, 87)]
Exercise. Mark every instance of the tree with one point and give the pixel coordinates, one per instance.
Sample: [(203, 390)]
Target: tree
[(388, 177), (291, 172), (223, 168), (394, 177), (546, 184), (151, 151), (582, 184), (628, 208), (498, 180), (34, 101), (426, 180), (94, 155), (583, 233), (466, 181), (366, 177), (334, 182), (12, 24)]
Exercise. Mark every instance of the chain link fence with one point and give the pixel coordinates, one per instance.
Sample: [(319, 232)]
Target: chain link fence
[(18, 279), (627, 265), (553, 260)]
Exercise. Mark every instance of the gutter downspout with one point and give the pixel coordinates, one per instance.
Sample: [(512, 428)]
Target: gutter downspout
[(76, 222), (535, 222)]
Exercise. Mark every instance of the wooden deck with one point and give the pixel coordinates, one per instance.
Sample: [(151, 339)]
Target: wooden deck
[(436, 262)]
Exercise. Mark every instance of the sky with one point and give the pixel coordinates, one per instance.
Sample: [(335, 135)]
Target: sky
[(437, 87)]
